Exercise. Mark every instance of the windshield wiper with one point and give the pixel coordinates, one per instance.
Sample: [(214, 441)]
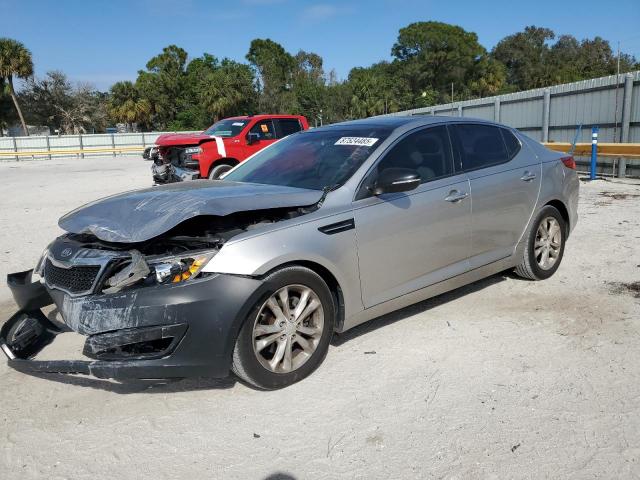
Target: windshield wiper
[(325, 192), (318, 204)]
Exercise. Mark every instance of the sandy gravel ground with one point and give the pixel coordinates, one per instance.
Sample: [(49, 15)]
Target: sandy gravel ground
[(34, 194), (501, 379)]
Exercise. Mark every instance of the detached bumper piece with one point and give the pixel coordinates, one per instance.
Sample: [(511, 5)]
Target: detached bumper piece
[(135, 343), (157, 332), (26, 334), (27, 294), (119, 354)]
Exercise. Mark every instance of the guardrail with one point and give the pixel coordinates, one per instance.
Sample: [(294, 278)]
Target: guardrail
[(630, 150), (48, 146), (16, 148), (49, 153)]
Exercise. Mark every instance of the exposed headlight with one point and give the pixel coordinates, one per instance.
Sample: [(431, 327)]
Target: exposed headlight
[(193, 150), (179, 268)]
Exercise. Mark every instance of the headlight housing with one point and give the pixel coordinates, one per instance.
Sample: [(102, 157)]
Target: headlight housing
[(180, 268), (39, 268), (192, 150)]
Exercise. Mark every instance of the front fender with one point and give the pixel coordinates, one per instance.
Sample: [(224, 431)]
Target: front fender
[(208, 156), (257, 255)]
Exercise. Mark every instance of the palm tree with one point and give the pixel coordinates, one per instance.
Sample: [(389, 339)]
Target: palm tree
[(126, 105), (15, 59)]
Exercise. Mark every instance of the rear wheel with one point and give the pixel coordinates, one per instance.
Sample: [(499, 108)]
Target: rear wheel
[(545, 245), (219, 169), (287, 334)]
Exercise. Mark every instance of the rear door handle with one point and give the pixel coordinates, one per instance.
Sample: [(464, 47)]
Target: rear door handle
[(528, 176), (455, 196)]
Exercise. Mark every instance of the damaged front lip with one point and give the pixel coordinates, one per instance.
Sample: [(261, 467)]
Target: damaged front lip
[(187, 329), (107, 364), (109, 350)]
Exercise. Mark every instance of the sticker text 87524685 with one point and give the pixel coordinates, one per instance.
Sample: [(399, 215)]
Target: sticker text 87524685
[(358, 141)]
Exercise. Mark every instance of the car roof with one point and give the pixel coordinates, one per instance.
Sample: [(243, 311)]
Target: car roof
[(262, 116), (394, 122)]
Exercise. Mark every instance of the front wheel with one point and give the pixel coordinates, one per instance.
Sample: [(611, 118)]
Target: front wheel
[(287, 334), (218, 170), (545, 245)]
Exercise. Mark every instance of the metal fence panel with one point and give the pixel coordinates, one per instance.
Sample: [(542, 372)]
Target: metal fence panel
[(634, 129), (524, 114), (612, 103), (479, 111)]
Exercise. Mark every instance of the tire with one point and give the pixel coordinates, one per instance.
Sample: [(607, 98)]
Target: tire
[(219, 169), (256, 352), (533, 266)]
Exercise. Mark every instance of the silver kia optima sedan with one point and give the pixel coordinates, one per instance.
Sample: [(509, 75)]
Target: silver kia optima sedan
[(318, 233)]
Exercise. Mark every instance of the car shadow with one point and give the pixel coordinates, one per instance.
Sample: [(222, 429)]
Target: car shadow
[(417, 308), (178, 385)]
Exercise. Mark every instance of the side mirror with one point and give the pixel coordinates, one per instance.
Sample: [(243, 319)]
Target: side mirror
[(253, 138), (393, 180)]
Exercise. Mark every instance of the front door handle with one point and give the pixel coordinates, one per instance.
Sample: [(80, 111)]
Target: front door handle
[(528, 176), (455, 196)]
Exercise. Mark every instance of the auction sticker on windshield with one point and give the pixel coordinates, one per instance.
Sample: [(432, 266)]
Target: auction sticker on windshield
[(358, 141)]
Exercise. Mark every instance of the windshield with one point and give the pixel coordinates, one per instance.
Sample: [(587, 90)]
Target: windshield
[(312, 159), (226, 128)]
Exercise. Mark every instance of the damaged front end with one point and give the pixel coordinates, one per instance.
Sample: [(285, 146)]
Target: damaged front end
[(129, 277), (175, 164), (146, 308)]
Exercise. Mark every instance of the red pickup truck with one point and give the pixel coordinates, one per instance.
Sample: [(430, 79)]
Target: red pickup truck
[(218, 149)]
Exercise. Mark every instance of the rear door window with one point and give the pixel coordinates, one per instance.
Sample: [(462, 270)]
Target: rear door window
[(287, 126), (479, 146), (265, 130)]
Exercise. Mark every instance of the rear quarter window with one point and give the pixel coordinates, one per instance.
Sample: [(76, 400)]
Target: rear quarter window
[(480, 146), (511, 141)]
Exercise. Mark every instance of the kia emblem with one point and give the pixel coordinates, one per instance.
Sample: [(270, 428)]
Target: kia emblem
[(66, 252)]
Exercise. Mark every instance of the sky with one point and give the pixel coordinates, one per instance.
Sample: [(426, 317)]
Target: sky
[(102, 42)]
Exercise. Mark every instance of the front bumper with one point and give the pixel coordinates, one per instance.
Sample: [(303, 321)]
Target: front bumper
[(167, 331), (167, 173)]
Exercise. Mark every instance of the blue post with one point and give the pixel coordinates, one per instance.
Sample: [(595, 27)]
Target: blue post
[(594, 152)]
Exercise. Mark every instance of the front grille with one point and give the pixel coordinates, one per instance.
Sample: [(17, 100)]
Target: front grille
[(185, 160), (76, 279)]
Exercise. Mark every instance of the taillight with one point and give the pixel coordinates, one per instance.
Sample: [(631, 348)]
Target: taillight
[(569, 162)]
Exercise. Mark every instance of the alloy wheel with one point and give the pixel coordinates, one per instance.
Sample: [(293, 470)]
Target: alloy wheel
[(548, 243), (288, 328)]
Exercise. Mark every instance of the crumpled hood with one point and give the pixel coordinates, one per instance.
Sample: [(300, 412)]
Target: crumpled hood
[(170, 139), (141, 215)]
